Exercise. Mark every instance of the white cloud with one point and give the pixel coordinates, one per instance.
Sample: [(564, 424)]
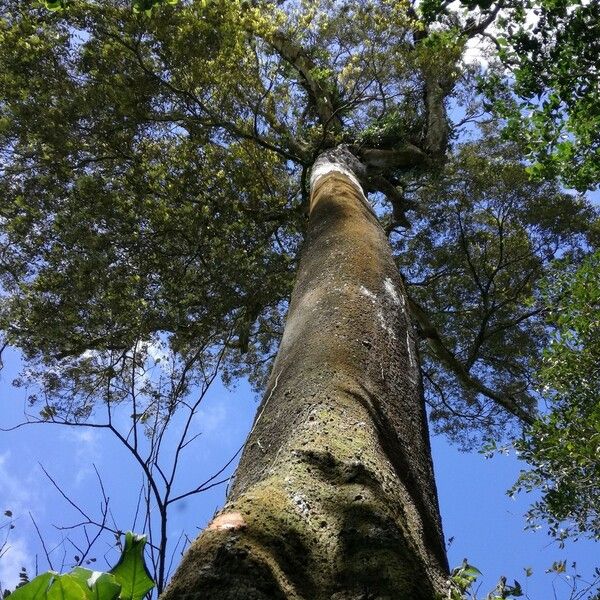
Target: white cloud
[(86, 454), (16, 555), (158, 351), (477, 51), (15, 489), (212, 418), (19, 497)]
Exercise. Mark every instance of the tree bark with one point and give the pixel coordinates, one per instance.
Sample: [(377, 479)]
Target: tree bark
[(334, 497)]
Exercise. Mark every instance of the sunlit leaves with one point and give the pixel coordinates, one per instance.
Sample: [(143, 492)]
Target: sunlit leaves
[(564, 444), (53, 4), (146, 6), (131, 210), (551, 50), (546, 83)]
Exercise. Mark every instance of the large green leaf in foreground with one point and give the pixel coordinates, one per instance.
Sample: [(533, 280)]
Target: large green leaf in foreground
[(131, 571), (128, 580)]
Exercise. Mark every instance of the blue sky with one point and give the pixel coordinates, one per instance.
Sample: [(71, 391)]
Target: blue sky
[(485, 525)]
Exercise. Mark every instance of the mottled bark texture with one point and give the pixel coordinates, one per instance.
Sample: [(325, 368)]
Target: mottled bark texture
[(334, 497)]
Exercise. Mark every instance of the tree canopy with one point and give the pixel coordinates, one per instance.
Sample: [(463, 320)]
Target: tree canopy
[(154, 178), (563, 447), (546, 80)]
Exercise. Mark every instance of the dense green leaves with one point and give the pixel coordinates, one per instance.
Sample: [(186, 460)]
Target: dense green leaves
[(551, 50), (154, 176), (159, 199), (132, 219), (147, 5), (153, 172), (542, 78), (109, 195), (564, 444), (481, 242)]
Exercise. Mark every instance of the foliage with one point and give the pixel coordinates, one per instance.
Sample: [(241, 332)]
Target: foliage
[(564, 444), (146, 399), (160, 197), (161, 193), (154, 176), (125, 197), (148, 5), (551, 52), (463, 580), (543, 78), (480, 244), (128, 580)]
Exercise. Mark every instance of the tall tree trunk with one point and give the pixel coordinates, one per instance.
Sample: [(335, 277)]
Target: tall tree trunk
[(334, 497)]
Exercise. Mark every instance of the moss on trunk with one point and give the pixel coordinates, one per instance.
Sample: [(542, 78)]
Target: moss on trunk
[(334, 497)]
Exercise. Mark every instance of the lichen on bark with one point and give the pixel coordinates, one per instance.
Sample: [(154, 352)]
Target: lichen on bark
[(334, 497)]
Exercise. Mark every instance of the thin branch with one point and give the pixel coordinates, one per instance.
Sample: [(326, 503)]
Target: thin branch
[(205, 485), (42, 541), (476, 28), (60, 491), (455, 366)]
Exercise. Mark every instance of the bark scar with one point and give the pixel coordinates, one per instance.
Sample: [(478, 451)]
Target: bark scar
[(228, 520)]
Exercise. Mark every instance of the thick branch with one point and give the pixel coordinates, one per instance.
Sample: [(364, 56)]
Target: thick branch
[(474, 28), (437, 88), (436, 138), (435, 92), (395, 197), (378, 162), (407, 156), (318, 90)]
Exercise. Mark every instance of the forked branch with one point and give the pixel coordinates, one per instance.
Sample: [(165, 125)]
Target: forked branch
[(451, 362)]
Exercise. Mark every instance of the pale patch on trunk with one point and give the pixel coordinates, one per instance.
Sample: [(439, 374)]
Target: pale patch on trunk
[(384, 325), (368, 293), (391, 291), (324, 166), (414, 367), (227, 521)]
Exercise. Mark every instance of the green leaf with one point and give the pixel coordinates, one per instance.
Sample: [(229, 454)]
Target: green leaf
[(106, 587), (516, 590), (36, 589), (128, 580), (101, 586), (471, 571), (53, 4), (67, 587), (130, 572)]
